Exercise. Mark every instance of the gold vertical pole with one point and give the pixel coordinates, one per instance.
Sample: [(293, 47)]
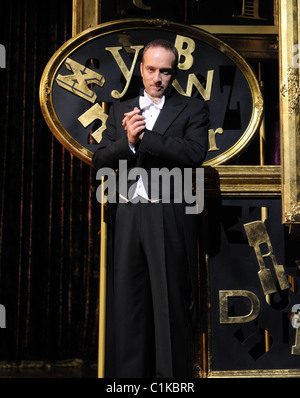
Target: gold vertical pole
[(262, 130), (102, 293), (86, 14), (264, 210)]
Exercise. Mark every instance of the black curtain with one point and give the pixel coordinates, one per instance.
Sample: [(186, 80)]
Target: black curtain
[(49, 217)]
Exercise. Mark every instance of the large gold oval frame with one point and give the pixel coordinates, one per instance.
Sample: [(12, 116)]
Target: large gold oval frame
[(64, 52)]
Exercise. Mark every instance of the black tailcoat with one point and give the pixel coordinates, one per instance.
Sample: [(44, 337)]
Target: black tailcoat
[(178, 139)]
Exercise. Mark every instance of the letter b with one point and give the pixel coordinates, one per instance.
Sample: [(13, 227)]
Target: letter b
[(185, 47)]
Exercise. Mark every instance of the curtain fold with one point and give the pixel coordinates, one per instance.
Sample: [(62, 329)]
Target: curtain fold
[(49, 217)]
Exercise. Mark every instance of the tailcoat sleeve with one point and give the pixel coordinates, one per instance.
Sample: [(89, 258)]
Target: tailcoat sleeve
[(114, 143)]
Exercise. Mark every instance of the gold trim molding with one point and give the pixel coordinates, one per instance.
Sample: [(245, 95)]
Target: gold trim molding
[(276, 373), (243, 181), (291, 89), (240, 29), (289, 39)]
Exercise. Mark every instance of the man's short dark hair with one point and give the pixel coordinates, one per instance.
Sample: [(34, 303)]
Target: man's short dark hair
[(166, 45)]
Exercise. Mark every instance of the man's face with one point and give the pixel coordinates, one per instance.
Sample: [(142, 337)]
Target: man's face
[(157, 71)]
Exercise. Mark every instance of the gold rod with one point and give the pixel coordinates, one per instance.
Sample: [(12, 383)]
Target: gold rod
[(264, 217), (102, 293), (262, 130), (204, 366), (264, 210)]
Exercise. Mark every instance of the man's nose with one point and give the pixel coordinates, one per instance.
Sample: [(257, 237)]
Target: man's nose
[(157, 77)]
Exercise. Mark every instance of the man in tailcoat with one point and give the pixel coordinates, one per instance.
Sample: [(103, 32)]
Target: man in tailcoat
[(154, 270)]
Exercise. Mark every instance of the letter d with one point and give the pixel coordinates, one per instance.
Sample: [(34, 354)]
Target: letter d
[(223, 298)]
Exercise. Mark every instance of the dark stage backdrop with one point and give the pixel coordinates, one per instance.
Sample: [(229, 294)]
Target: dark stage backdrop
[(49, 217)]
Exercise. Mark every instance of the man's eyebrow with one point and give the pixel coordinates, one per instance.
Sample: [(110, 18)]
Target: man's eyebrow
[(163, 69)]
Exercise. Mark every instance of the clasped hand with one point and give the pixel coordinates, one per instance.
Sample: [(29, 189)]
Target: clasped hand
[(134, 123)]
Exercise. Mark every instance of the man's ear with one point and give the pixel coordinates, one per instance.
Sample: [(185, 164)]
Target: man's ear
[(141, 68)]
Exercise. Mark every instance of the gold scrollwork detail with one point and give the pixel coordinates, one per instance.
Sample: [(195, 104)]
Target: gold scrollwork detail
[(293, 213), (291, 90), (46, 90), (159, 23), (259, 103)]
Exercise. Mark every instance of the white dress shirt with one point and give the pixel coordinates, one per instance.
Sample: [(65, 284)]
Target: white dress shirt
[(151, 111)]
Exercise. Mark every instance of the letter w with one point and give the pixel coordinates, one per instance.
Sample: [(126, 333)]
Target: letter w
[(193, 81)]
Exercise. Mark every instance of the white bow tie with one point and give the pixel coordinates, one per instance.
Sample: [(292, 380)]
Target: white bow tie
[(146, 102)]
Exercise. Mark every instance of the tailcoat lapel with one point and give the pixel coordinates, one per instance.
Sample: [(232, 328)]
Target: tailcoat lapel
[(172, 108), (131, 104)]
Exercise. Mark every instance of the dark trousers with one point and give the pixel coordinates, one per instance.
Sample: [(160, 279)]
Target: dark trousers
[(151, 291)]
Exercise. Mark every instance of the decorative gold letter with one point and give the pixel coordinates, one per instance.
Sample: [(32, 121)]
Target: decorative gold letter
[(296, 347), (78, 82), (250, 10), (127, 73), (141, 5), (94, 113), (223, 297), (257, 235), (212, 138), (192, 80), (185, 52)]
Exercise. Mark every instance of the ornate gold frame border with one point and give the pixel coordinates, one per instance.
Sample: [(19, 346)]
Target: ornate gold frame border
[(129, 24)]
